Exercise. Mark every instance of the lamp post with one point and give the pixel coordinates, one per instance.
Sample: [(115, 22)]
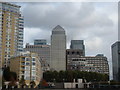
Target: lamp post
[(63, 82)]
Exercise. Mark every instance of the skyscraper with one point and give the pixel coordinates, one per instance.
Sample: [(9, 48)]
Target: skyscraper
[(58, 49), (78, 44), (11, 31), (116, 60)]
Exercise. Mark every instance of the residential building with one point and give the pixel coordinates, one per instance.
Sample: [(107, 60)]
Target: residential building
[(43, 52), (78, 44), (58, 49), (27, 66), (116, 60), (40, 42), (11, 31)]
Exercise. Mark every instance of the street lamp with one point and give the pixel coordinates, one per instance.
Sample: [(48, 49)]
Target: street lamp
[(63, 82)]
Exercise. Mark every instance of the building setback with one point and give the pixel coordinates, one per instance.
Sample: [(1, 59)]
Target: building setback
[(116, 60), (27, 66), (58, 49), (11, 32)]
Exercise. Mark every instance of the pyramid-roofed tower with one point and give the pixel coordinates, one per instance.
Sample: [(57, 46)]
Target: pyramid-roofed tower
[(58, 49), (58, 28)]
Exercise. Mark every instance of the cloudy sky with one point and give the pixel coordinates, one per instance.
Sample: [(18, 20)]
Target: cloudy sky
[(93, 22)]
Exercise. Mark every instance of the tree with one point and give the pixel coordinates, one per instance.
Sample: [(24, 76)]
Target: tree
[(33, 84), (22, 82), (6, 74)]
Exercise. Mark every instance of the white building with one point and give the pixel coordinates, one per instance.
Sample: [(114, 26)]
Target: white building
[(58, 49)]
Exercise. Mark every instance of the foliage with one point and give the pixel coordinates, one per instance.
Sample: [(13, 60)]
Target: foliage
[(22, 82), (32, 83), (68, 76)]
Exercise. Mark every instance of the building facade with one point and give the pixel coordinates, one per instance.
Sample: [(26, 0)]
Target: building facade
[(78, 44), (116, 60), (11, 31), (58, 49), (40, 42), (43, 52), (82, 64), (27, 66), (96, 63), (72, 53)]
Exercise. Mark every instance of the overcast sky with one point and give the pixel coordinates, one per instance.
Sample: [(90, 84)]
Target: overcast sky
[(95, 23)]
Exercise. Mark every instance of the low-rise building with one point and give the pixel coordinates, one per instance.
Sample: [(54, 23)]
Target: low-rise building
[(27, 66), (76, 61)]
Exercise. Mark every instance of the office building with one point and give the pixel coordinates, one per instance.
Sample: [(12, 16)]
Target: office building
[(78, 44), (72, 53), (58, 49), (96, 63), (116, 60), (81, 64), (40, 42), (27, 66), (43, 52), (11, 31)]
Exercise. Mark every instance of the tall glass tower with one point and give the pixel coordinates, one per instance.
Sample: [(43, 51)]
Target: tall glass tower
[(116, 61), (58, 49)]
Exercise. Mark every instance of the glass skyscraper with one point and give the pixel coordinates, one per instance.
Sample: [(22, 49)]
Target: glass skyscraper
[(116, 61)]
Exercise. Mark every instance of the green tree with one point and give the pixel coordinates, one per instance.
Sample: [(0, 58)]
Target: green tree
[(22, 82)]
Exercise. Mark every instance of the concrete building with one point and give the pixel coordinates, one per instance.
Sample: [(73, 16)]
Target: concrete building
[(82, 64), (78, 44), (43, 52), (72, 53), (96, 63), (116, 60), (79, 84), (11, 31), (40, 42), (58, 49), (27, 66)]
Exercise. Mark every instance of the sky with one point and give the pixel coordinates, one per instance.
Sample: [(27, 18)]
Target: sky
[(94, 22)]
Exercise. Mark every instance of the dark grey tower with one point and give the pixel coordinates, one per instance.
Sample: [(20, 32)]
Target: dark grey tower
[(116, 61)]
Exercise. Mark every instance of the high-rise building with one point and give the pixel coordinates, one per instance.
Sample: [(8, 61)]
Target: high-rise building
[(40, 42), (58, 49), (43, 52), (78, 44), (116, 60), (11, 31), (27, 66)]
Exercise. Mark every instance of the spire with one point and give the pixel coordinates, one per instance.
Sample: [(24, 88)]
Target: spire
[(58, 28)]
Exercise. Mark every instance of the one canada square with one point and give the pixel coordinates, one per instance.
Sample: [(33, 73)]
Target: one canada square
[(58, 49)]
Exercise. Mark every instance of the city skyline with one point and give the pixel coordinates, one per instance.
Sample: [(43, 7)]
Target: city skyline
[(96, 21)]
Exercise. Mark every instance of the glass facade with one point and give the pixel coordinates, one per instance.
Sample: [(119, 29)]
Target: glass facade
[(116, 61)]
